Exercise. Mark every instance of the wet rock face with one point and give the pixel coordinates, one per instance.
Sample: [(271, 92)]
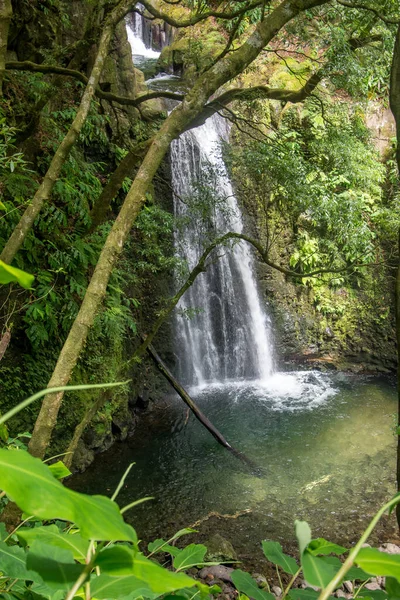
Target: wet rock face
[(381, 122)]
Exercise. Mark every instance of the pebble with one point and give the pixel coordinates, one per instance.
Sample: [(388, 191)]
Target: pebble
[(340, 594), (348, 586), (305, 585), (372, 585), (390, 548), (276, 590), (217, 572)]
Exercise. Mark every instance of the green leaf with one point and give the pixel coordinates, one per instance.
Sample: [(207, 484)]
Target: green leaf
[(32, 486), (158, 579), (2, 206), (43, 591), (56, 566), (105, 587), (245, 583), (306, 594), (375, 562), (300, 594), (161, 545), (190, 556), (373, 594), (59, 470), (303, 534), (353, 574), (321, 546), (10, 274), (116, 561), (50, 534), (3, 532), (317, 571), (392, 588), (356, 574), (273, 551), (13, 563)]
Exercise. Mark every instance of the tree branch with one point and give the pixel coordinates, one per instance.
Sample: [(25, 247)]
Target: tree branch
[(388, 20), (260, 92), (124, 100), (160, 14)]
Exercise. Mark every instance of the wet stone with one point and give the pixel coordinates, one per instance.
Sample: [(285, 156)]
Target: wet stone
[(216, 572)]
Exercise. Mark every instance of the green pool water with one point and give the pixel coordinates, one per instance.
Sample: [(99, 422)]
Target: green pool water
[(324, 444)]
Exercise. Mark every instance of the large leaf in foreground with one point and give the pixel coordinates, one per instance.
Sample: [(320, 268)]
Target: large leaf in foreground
[(56, 566), (50, 534), (105, 587), (375, 562), (32, 486), (13, 563), (273, 551), (317, 571), (245, 583), (116, 561)]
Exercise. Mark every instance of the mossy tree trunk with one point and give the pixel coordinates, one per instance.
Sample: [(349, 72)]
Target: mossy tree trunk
[(223, 71), (5, 19), (43, 193), (395, 107)]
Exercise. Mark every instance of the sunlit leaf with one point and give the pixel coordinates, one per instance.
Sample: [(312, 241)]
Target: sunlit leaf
[(31, 485), (10, 274), (273, 551), (190, 556), (59, 470), (317, 571), (303, 534), (375, 562)]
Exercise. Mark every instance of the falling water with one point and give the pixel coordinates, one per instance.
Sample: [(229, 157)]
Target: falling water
[(221, 329), (228, 336), (135, 33)]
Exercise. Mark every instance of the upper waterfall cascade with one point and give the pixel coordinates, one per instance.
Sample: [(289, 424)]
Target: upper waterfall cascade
[(135, 33)]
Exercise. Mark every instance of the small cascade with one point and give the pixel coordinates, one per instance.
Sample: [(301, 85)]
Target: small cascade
[(228, 336), (140, 35)]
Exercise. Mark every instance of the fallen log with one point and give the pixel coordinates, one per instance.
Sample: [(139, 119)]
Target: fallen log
[(195, 409)]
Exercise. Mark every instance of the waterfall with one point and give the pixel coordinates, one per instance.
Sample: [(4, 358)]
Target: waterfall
[(227, 337), (221, 330), (139, 35)]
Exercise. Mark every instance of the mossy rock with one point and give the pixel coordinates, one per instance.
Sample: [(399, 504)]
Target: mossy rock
[(220, 549)]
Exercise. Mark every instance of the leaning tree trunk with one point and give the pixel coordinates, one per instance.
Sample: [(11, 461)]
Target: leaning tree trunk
[(43, 193), (395, 106), (5, 19), (195, 409), (101, 208), (177, 121)]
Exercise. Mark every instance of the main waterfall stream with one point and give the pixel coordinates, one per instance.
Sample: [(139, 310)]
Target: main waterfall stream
[(228, 338), (325, 444)]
